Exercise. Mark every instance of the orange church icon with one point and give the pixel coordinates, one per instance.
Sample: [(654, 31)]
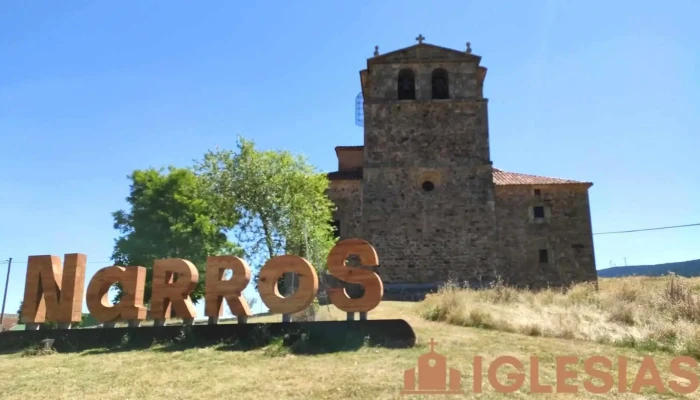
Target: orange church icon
[(432, 375)]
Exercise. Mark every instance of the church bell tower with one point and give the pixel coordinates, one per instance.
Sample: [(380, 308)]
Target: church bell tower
[(427, 187)]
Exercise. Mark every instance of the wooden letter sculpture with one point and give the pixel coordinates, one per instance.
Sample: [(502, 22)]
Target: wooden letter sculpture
[(372, 283), (52, 293), (167, 292), (271, 273), (232, 290), (130, 306)]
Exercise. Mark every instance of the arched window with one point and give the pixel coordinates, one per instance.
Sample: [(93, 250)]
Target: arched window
[(441, 88), (407, 85)]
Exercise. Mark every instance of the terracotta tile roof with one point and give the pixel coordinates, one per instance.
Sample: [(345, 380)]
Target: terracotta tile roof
[(500, 178), (8, 321), (511, 178)]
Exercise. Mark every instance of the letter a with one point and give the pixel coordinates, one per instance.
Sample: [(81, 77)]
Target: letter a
[(52, 293), (130, 306)]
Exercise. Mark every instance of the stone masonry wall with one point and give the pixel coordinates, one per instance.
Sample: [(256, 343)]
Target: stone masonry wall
[(429, 236), (346, 195), (463, 80), (565, 233), (465, 228), (426, 134), (425, 237)]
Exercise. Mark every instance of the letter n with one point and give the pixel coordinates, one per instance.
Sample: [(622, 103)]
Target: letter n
[(52, 293)]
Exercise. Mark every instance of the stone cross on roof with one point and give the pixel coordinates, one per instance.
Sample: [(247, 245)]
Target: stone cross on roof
[(420, 39)]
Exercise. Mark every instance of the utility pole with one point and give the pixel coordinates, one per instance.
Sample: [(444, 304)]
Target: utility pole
[(4, 297), (625, 261)]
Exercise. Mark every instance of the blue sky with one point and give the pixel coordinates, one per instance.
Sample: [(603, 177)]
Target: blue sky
[(89, 91)]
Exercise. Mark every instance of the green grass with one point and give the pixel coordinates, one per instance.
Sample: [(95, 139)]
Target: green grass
[(275, 372)]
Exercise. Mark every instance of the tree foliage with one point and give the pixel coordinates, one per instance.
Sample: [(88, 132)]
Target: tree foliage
[(170, 217), (278, 199), (84, 321), (20, 320)]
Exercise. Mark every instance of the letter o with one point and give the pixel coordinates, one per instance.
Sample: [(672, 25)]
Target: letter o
[(273, 270)]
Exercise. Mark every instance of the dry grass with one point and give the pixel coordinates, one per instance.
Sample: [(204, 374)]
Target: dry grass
[(652, 313), (274, 373)]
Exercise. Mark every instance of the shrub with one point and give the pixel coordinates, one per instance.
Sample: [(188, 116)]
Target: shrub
[(642, 312)]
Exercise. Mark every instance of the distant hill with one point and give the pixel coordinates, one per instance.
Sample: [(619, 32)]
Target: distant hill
[(684, 268)]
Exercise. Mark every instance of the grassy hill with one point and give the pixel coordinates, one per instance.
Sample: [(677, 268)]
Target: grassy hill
[(684, 268), (622, 318)]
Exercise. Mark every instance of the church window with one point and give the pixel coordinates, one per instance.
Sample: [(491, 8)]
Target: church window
[(440, 84), (336, 230), (428, 181), (544, 256), (407, 85), (538, 212)]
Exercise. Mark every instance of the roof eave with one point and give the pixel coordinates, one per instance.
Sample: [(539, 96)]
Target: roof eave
[(384, 58), (586, 184), (339, 148)]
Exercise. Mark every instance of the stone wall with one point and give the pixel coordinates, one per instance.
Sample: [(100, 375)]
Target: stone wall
[(465, 80), (347, 196), (461, 226), (565, 233), (437, 133), (425, 237), (446, 233)]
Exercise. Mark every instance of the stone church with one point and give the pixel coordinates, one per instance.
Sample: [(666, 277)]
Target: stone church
[(423, 190)]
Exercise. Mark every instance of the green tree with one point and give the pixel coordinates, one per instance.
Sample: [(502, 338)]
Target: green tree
[(170, 217), (278, 200), (19, 313), (52, 325), (45, 325)]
